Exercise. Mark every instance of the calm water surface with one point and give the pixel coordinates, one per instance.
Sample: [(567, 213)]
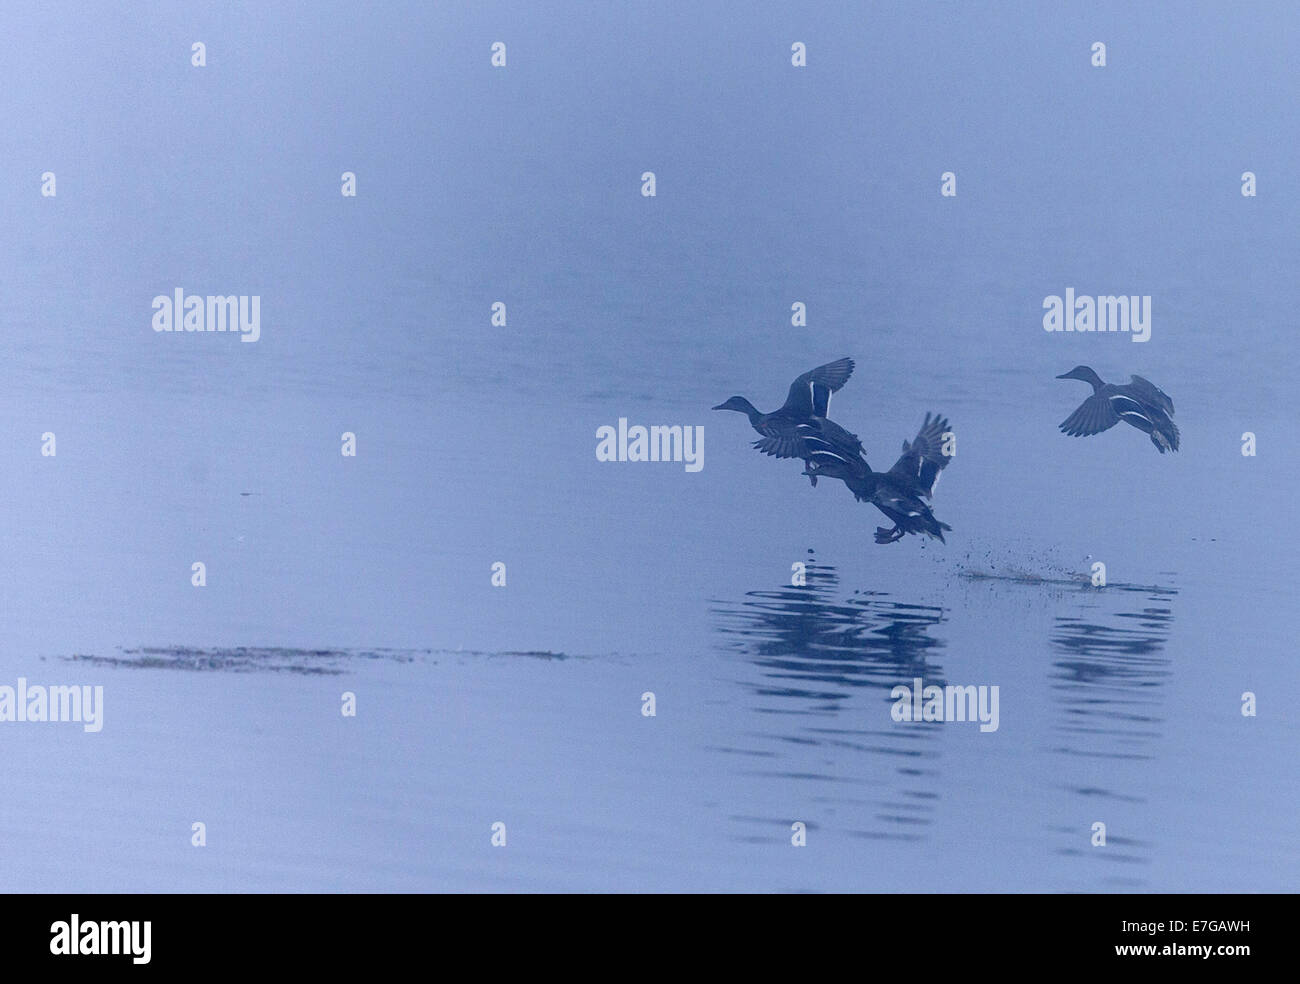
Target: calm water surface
[(476, 443)]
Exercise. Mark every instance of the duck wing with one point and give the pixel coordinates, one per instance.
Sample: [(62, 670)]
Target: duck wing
[(810, 394), (1094, 415), (791, 443), (1149, 392), (923, 458), (838, 435), (808, 440)]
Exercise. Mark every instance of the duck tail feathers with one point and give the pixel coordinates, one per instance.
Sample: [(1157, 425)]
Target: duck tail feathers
[(1164, 435)]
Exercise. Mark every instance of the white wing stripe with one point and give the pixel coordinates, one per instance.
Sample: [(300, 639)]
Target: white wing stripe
[(1116, 397)]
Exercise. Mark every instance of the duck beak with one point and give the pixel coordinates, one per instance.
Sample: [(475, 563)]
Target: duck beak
[(1065, 375), (720, 406)]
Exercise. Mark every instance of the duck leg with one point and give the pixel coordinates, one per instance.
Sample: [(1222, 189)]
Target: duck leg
[(888, 536)]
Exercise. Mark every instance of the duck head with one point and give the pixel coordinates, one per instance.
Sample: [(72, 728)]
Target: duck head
[(739, 404), (1085, 374)]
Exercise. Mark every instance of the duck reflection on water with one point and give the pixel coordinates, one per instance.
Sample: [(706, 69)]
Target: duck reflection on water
[(813, 645), (814, 649)]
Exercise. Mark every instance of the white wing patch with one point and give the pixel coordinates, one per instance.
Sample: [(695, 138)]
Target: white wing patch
[(1128, 408), (1120, 398)]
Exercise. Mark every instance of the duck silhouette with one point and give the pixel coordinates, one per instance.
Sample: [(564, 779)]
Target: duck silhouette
[(800, 426), (900, 492), (1138, 402)]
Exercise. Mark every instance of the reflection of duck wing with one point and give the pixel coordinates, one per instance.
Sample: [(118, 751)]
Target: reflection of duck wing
[(810, 394), (1094, 415), (1149, 392)]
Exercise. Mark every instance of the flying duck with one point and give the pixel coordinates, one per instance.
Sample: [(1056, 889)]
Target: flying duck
[(899, 492), (1139, 402), (800, 427)]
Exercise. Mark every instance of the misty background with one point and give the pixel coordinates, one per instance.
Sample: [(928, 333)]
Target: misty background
[(476, 444)]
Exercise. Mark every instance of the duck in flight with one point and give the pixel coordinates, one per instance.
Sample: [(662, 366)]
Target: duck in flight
[(900, 492), (801, 424), (1138, 402)]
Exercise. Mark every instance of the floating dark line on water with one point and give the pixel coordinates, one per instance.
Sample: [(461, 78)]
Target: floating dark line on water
[(1082, 581), (280, 659), (243, 659)]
